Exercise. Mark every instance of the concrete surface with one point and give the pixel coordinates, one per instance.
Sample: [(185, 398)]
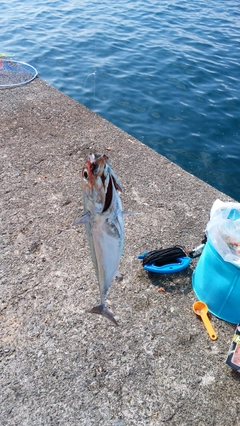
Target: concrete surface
[(59, 364)]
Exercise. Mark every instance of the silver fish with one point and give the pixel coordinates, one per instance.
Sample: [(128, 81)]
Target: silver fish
[(103, 219)]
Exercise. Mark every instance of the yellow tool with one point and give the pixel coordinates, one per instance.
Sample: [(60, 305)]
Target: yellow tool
[(201, 309)]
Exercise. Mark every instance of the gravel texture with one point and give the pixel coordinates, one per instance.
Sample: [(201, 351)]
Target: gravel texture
[(59, 364)]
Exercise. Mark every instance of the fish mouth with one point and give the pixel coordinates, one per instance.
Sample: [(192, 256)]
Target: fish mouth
[(109, 195), (113, 183)]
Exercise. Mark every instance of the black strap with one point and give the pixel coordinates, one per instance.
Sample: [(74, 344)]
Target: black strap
[(164, 256)]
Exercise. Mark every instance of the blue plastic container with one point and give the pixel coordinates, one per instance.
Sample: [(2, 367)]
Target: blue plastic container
[(217, 283)]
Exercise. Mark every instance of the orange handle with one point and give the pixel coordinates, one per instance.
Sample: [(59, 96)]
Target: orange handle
[(209, 327)]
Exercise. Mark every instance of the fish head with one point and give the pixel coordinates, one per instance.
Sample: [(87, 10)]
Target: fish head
[(98, 183)]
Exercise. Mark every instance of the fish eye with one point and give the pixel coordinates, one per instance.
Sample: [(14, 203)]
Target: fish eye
[(85, 175)]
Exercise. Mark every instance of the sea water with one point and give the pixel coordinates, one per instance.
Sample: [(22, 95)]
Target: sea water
[(167, 72)]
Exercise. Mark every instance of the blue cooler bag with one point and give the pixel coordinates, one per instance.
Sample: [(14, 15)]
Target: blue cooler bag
[(216, 279)]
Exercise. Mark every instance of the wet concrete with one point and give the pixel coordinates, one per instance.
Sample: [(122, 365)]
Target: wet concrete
[(59, 364)]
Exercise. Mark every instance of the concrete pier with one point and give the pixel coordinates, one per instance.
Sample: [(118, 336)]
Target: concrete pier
[(61, 365)]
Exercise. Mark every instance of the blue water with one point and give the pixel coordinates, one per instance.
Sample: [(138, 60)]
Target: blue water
[(167, 72)]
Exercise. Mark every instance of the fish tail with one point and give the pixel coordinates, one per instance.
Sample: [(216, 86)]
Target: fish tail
[(104, 311)]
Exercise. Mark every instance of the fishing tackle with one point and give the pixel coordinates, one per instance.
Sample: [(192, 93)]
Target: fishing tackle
[(169, 260)]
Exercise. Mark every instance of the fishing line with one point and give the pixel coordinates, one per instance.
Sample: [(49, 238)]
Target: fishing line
[(94, 73), (94, 87)]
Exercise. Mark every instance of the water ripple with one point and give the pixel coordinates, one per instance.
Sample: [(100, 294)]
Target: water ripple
[(166, 72)]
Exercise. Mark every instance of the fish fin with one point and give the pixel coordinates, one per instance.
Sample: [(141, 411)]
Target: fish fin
[(86, 218), (104, 311)]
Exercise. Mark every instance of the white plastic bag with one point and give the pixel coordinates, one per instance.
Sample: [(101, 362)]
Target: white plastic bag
[(223, 230)]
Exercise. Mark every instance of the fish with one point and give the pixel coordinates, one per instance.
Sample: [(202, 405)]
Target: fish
[(104, 223)]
